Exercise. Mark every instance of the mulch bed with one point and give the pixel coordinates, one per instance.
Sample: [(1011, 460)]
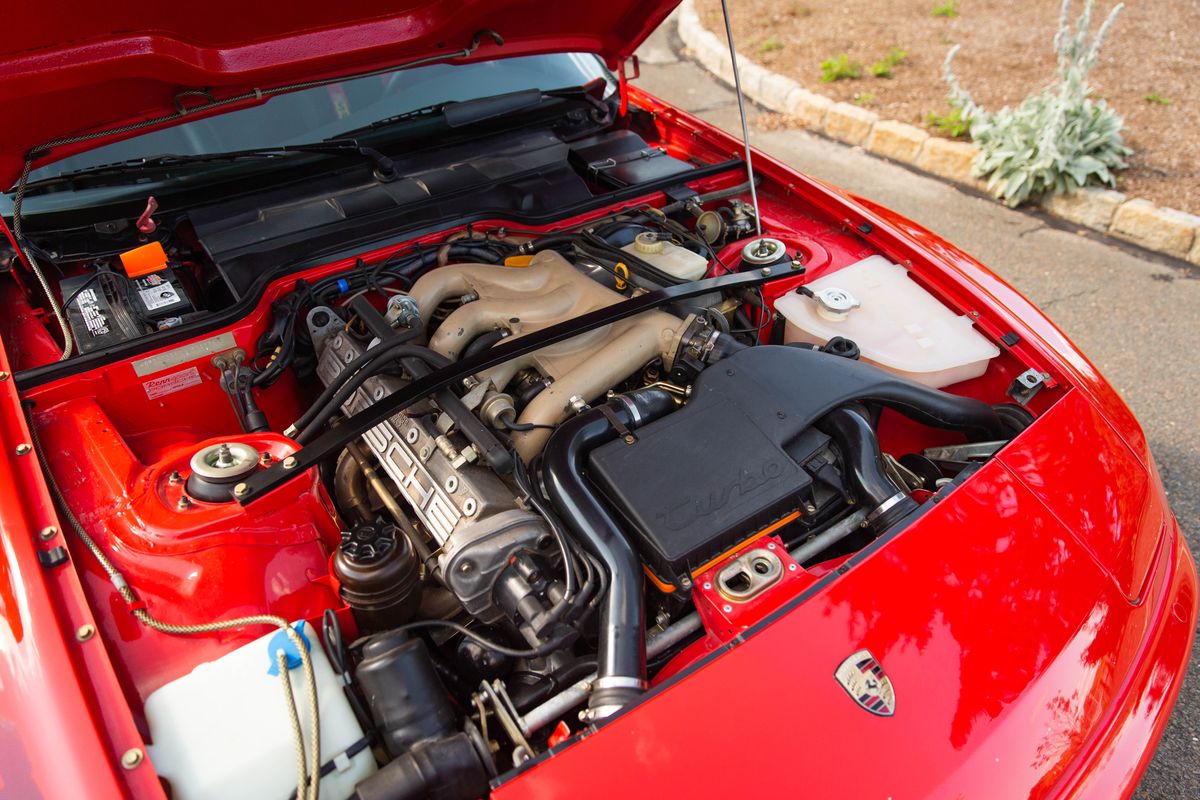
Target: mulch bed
[(1006, 54)]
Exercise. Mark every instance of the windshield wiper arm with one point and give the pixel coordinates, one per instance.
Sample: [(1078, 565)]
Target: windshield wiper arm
[(385, 169), (460, 113)]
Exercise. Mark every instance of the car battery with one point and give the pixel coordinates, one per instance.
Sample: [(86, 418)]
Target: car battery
[(107, 310)]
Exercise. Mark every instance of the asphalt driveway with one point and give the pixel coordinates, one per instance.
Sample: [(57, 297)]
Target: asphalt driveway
[(1137, 316)]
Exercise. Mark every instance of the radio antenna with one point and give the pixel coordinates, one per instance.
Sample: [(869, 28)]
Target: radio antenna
[(741, 101)]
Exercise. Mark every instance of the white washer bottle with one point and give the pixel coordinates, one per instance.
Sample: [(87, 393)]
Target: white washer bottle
[(896, 323), (223, 730)]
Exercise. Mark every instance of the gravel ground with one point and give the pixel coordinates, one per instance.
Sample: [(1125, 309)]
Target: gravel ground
[(1006, 54)]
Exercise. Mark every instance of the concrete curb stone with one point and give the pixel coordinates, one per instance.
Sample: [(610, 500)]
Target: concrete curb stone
[(1090, 207), (898, 141), (848, 123), (1162, 229)]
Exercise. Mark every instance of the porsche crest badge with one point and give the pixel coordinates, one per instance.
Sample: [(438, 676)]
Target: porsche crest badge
[(867, 684)]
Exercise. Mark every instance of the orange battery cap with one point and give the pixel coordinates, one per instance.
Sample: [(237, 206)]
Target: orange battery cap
[(144, 260)]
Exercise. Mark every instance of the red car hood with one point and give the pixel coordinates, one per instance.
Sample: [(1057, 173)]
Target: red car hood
[(70, 69)]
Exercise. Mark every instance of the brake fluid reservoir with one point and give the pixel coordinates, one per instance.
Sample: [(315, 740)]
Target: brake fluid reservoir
[(897, 325), (223, 730), (672, 259)]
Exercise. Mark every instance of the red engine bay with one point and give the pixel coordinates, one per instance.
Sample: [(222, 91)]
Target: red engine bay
[(122, 440)]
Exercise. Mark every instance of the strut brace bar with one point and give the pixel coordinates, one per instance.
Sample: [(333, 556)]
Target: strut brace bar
[(333, 441)]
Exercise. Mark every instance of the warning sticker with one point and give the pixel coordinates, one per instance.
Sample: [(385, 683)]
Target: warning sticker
[(169, 384), (160, 296), (89, 307)]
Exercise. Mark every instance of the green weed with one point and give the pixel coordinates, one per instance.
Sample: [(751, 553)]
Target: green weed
[(884, 67), (946, 8), (770, 45), (840, 67), (951, 124)]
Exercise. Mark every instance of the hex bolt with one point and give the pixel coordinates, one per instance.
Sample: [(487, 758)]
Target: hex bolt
[(48, 533), (290, 462), (85, 632), (184, 503), (132, 757), (175, 478), (24, 448), (766, 270), (240, 490), (265, 459), (3, 376), (465, 567)]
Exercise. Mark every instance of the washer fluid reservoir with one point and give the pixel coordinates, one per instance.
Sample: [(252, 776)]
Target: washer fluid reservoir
[(672, 259), (223, 729), (897, 325)]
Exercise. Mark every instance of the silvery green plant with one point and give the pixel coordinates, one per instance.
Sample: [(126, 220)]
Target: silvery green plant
[(1056, 140)]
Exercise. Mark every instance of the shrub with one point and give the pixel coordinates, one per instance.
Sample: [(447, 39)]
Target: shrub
[(838, 68), (1056, 140), (1157, 99)]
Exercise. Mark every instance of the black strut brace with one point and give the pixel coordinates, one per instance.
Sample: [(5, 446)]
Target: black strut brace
[(335, 440)]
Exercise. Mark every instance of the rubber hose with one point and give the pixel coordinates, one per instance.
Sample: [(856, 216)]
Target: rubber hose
[(862, 466), (621, 660)]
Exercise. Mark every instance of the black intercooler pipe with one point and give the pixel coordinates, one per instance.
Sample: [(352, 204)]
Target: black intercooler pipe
[(621, 660), (862, 466)]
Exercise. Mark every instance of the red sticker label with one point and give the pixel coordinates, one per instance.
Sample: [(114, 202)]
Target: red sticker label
[(169, 384)]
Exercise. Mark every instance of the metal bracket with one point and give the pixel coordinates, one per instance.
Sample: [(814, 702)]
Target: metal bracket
[(1027, 384), (53, 557)]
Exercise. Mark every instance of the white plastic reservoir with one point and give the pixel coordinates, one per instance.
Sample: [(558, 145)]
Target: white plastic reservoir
[(670, 258), (896, 324), (223, 730)]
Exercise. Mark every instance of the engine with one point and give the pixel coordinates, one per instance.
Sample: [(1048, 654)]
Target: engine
[(663, 444), (548, 521)]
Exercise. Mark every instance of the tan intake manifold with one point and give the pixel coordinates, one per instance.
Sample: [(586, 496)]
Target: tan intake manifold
[(527, 299)]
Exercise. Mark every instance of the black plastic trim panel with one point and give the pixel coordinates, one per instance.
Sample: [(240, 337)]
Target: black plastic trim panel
[(30, 378)]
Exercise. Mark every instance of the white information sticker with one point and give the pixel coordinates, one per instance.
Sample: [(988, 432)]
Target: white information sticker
[(160, 296)]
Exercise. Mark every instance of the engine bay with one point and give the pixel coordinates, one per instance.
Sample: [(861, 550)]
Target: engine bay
[(521, 553)]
